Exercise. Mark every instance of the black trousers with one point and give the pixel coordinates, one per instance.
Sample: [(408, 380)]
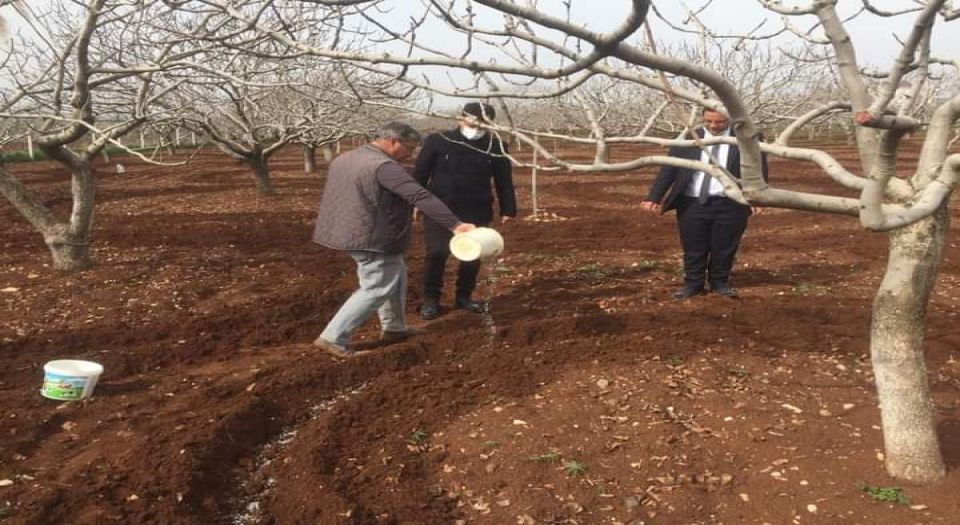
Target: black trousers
[(710, 235), (437, 241)]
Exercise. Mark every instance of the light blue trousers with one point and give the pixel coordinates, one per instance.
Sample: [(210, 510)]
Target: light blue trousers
[(383, 289)]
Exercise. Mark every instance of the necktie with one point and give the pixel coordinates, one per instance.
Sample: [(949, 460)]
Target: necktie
[(704, 193)]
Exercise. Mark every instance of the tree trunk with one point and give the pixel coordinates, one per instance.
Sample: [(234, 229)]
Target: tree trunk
[(850, 135), (309, 159), (71, 246), (535, 203), (261, 174), (69, 243), (168, 144), (327, 151), (602, 155), (69, 251), (896, 348)]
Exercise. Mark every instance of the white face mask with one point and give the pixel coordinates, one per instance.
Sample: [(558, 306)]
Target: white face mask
[(472, 133)]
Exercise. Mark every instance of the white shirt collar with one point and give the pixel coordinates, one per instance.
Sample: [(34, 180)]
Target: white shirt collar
[(708, 135)]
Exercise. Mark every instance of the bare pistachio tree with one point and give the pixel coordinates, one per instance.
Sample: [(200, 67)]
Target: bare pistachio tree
[(913, 211), (534, 44), (247, 107), (82, 75), (346, 102), (773, 87), (250, 101)]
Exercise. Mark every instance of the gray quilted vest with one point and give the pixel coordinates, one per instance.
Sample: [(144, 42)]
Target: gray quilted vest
[(353, 214)]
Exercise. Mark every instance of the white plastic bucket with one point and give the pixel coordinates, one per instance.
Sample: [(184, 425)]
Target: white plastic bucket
[(478, 243), (70, 379)]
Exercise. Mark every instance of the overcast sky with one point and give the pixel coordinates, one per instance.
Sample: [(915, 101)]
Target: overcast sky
[(874, 37)]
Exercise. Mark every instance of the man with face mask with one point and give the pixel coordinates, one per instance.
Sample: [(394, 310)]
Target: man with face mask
[(462, 167)]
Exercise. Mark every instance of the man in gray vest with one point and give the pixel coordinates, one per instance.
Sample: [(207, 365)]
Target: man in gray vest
[(366, 210)]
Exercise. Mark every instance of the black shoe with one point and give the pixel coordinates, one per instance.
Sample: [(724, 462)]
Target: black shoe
[(688, 291), (465, 303), (430, 309), (392, 336), (723, 289)]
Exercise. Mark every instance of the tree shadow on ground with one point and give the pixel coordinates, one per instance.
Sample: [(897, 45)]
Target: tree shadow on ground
[(949, 431), (798, 275)]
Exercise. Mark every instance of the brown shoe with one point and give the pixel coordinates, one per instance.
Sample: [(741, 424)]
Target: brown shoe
[(333, 349), (394, 336)]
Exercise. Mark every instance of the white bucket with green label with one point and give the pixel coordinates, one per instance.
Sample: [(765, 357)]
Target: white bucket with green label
[(70, 379)]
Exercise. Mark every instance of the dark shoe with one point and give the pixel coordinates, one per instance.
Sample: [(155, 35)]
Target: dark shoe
[(392, 336), (688, 291), (723, 289), (332, 348), (464, 303), (430, 309)]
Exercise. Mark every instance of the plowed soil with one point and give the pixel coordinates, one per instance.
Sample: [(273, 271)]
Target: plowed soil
[(586, 395)]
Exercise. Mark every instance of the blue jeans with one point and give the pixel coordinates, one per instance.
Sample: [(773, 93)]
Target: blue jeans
[(383, 289)]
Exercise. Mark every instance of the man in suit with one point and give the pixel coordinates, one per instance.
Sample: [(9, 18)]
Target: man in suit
[(710, 224), (462, 167)]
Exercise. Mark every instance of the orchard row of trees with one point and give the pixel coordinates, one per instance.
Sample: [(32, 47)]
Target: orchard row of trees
[(254, 75), (85, 76)]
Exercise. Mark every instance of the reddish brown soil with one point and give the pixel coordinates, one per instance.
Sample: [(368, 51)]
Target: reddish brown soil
[(214, 407)]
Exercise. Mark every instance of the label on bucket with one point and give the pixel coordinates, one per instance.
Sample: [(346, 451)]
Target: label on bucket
[(63, 387)]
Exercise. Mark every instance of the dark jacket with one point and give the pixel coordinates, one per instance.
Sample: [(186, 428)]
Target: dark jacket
[(460, 171), (676, 179), (367, 204)]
